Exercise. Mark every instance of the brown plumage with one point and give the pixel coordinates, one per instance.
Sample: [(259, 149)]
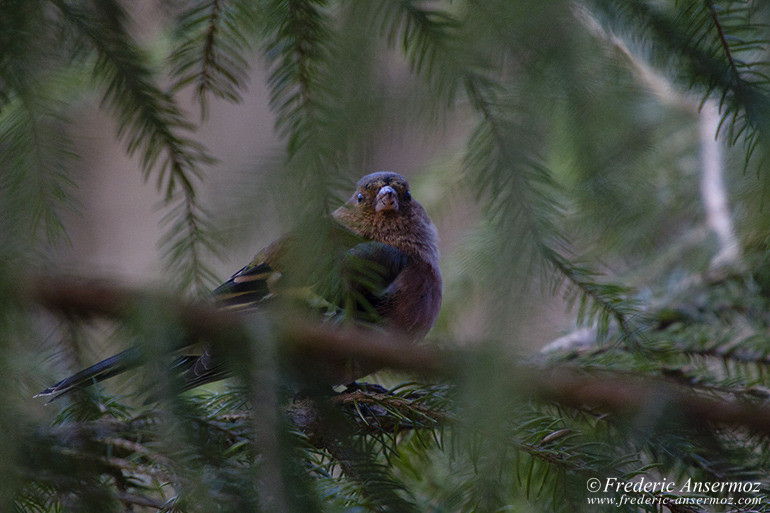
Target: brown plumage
[(390, 275), (383, 210)]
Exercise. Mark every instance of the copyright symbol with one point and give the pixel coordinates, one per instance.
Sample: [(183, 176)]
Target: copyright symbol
[(593, 484)]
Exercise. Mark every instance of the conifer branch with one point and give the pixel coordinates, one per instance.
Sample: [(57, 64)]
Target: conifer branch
[(213, 38), (296, 50), (610, 299), (425, 34), (688, 45), (736, 354), (154, 125), (208, 62), (725, 46), (309, 343), (34, 160)]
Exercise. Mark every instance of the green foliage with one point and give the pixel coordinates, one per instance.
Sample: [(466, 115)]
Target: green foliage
[(577, 169), (36, 186), (212, 38), (714, 46), (95, 35)]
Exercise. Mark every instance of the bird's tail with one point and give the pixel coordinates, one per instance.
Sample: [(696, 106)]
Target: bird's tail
[(108, 368)]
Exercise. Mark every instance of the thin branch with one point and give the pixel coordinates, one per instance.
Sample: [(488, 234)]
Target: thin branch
[(592, 291), (725, 45), (585, 342), (209, 55), (137, 448), (656, 82), (742, 355), (99, 298), (713, 189), (632, 396)]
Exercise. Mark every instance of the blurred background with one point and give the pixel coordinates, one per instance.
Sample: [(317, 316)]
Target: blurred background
[(597, 172)]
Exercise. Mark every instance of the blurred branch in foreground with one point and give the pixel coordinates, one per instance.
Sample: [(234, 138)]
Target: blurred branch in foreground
[(620, 393)]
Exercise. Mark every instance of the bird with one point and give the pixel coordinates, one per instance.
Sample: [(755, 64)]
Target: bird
[(387, 275)]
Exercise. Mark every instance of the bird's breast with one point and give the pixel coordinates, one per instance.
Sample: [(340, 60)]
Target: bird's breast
[(415, 299)]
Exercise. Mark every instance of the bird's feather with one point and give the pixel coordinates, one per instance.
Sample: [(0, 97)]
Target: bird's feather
[(247, 287)]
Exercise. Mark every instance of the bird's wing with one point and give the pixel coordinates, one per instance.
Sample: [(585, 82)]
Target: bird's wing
[(285, 268), (369, 270), (256, 281), (383, 259), (246, 288), (374, 266)]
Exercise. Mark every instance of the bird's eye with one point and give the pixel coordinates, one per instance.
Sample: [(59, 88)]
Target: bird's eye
[(360, 198), (408, 195)]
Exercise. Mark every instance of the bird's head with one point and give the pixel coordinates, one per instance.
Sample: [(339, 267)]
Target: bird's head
[(382, 209), (382, 195)]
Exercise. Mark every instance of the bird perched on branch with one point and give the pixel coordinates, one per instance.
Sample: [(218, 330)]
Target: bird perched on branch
[(386, 273)]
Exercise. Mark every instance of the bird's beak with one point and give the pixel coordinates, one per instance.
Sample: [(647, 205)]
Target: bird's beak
[(387, 199)]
